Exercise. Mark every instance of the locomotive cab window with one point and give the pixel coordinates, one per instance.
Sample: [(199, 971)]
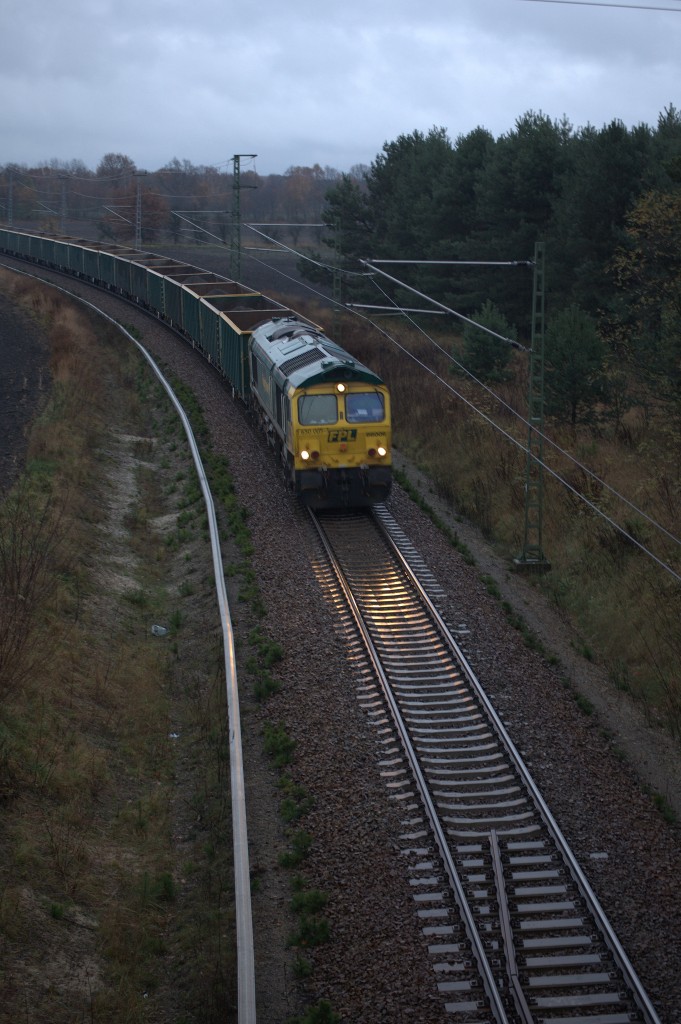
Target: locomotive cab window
[(364, 407), (314, 410)]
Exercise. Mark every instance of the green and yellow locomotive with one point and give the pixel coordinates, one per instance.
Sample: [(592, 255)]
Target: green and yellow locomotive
[(326, 415)]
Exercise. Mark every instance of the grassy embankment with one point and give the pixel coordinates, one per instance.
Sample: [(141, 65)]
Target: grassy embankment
[(626, 608), (115, 847)]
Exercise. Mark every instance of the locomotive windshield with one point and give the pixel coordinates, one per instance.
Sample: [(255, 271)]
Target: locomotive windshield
[(314, 410), (364, 407)]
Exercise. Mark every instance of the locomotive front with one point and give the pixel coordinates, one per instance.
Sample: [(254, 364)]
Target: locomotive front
[(341, 431), (328, 412)]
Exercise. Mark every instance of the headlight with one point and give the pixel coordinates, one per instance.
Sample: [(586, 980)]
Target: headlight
[(305, 455), (382, 451), (340, 388)]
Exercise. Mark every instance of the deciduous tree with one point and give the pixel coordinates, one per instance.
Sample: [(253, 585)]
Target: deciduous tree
[(115, 165)]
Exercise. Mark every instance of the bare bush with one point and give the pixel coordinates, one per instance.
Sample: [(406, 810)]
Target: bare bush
[(29, 538)]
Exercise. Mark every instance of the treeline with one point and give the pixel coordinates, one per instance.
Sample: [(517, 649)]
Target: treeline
[(110, 200), (605, 202)]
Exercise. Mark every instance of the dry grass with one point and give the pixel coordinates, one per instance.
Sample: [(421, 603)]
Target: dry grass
[(114, 830)]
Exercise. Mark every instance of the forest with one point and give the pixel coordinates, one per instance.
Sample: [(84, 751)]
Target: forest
[(605, 202)]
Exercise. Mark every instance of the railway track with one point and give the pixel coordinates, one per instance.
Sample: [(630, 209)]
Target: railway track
[(514, 930), (462, 984)]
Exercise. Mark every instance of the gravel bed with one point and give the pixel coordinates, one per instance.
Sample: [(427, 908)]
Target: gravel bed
[(375, 968)]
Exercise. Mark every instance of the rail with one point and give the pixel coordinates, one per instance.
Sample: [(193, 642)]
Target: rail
[(242, 886), (433, 694)]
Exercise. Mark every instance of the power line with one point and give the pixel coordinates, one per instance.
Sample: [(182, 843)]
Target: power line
[(497, 398), (519, 444), (441, 305), (302, 255), (601, 3), (460, 263)]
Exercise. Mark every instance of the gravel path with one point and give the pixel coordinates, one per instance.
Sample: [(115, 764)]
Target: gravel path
[(375, 969)]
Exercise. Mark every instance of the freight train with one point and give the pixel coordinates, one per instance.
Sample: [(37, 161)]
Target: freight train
[(325, 414)]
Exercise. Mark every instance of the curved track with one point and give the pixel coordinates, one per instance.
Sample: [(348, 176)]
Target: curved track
[(515, 931)]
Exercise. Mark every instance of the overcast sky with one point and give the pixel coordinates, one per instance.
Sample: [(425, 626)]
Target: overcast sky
[(304, 82)]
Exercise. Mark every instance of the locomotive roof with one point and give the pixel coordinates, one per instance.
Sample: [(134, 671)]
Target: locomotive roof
[(301, 354)]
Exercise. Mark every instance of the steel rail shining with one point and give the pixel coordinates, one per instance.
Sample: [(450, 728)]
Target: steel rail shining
[(637, 990), (484, 967)]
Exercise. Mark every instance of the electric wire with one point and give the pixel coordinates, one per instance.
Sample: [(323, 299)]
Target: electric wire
[(545, 437), (565, 483), (448, 309), (199, 227), (304, 256), (294, 280), (602, 3), (53, 180), (268, 266), (518, 444)]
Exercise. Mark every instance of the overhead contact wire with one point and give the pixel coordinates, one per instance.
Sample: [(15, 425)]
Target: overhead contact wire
[(518, 444), (667, 568), (519, 416)]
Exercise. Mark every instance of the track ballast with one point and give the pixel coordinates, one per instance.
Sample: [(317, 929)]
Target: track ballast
[(515, 931)]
